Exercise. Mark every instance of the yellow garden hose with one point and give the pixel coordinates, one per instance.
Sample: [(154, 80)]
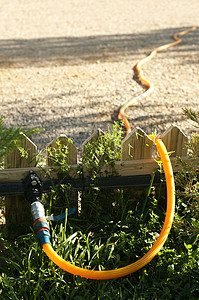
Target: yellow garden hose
[(110, 274), (144, 81)]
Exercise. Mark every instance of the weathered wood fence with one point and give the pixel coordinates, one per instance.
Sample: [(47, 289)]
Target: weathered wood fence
[(137, 152)]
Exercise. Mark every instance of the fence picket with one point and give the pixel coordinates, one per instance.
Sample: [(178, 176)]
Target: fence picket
[(136, 145), (72, 150), (175, 140), (17, 209)]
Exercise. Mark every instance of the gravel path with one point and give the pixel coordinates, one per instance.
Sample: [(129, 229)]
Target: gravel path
[(67, 66)]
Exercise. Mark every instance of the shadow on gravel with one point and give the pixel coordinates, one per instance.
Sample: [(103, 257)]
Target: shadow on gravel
[(19, 53)]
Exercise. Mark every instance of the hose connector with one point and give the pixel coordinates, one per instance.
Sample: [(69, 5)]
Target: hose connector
[(32, 187), (37, 210), (33, 193), (42, 230)]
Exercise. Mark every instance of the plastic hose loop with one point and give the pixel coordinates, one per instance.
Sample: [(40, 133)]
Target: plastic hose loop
[(110, 274)]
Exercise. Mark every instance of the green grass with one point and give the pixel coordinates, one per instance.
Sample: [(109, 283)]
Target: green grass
[(120, 238)]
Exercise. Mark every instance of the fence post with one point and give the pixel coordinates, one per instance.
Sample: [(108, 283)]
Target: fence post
[(72, 150), (88, 207), (175, 142), (72, 199), (17, 209), (136, 146)]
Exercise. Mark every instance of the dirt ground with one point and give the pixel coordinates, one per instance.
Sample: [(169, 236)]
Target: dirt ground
[(67, 66)]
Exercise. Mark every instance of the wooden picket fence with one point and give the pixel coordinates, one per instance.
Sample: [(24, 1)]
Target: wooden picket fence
[(137, 158)]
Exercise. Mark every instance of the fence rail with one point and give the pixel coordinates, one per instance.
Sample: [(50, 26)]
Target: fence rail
[(136, 163)]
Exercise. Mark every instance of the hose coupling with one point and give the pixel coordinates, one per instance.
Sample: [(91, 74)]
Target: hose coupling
[(42, 230), (37, 210)]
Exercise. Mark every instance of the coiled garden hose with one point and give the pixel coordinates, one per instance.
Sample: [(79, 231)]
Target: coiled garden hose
[(42, 230)]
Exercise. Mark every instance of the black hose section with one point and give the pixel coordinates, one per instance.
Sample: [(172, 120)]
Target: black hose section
[(79, 184)]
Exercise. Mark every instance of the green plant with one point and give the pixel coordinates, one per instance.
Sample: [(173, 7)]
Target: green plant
[(11, 138), (99, 159), (103, 152), (188, 183), (192, 115), (58, 157)]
